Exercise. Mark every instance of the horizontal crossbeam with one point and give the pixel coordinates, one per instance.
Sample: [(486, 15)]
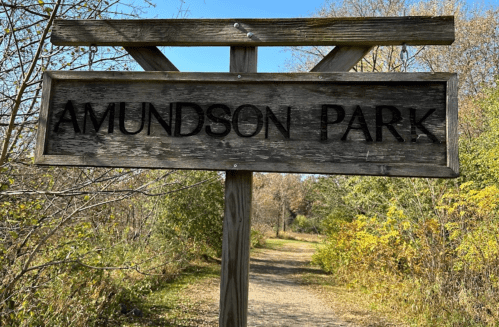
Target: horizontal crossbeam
[(362, 31)]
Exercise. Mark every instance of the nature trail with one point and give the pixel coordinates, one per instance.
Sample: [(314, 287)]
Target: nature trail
[(277, 294)]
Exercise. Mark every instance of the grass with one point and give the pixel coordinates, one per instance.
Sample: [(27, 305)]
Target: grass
[(306, 237), (170, 304), (276, 243), (352, 305)]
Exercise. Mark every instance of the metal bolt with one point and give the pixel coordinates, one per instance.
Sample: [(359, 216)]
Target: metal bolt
[(236, 25), (320, 77), (235, 165), (238, 76), (250, 35)]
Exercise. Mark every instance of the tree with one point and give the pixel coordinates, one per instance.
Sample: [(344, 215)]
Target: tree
[(63, 229), (474, 55), (277, 199), (480, 151), (194, 216), (27, 53)]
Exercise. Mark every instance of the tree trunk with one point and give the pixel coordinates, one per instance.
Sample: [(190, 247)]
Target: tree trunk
[(283, 218)]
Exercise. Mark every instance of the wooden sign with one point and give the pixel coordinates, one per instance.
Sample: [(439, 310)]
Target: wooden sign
[(402, 124), (337, 123)]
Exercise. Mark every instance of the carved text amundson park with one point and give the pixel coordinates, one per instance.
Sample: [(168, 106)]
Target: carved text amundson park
[(383, 124), (218, 120)]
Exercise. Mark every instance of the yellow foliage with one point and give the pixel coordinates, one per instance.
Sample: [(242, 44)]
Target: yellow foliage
[(446, 262)]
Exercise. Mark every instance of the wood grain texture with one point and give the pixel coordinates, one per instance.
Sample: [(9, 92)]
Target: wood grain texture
[(243, 59), (270, 149), (363, 31), (44, 115), (234, 282), (341, 59), (151, 58), (245, 78)]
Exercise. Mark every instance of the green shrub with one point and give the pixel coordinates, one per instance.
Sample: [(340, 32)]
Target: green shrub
[(191, 220), (302, 224), (257, 239)]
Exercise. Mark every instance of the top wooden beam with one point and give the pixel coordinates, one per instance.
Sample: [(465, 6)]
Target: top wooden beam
[(364, 31)]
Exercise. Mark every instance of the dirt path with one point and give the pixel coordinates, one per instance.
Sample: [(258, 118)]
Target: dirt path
[(277, 296)]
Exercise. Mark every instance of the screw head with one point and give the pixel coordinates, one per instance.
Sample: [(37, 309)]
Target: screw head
[(238, 76), (236, 25), (235, 165), (250, 35), (320, 77)]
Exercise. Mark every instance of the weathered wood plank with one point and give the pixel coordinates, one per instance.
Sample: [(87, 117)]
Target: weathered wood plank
[(452, 125), (341, 59), (234, 282), (43, 118), (370, 169), (363, 31), (245, 78), (151, 59), (243, 59), (406, 130)]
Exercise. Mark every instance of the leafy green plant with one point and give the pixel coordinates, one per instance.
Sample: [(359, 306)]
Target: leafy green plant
[(257, 238), (192, 220), (302, 224)]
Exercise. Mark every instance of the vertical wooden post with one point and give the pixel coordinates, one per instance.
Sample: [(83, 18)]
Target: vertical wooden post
[(234, 281)]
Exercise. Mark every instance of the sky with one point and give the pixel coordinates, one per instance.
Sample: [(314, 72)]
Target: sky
[(216, 59)]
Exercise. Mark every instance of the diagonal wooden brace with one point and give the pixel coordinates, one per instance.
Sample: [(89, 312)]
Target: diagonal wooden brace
[(341, 59), (151, 59)]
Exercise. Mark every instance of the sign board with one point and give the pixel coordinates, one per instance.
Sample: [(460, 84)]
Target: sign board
[(392, 124)]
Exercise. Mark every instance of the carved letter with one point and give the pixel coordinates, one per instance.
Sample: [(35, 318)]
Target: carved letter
[(259, 117), (340, 115), (68, 108), (419, 124), (89, 111), (166, 127), (220, 120), (362, 125), (277, 123), (122, 119), (396, 117), (178, 118)]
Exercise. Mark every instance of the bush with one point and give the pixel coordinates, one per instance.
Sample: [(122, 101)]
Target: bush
[(257, 239), (442, 269), (192, 220), (302, 224)]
